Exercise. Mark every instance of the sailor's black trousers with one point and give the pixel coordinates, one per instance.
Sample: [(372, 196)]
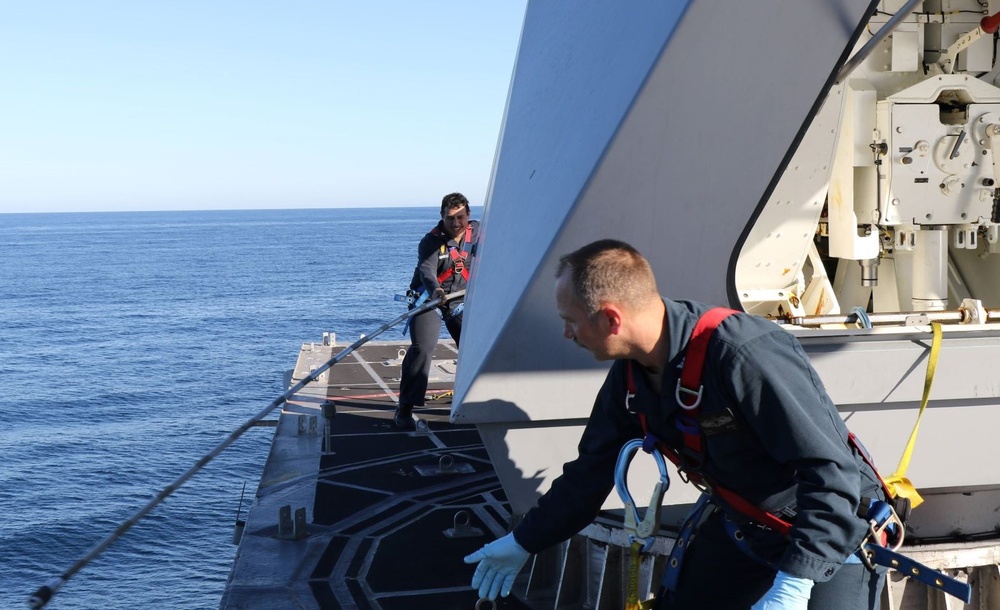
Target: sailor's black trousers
[(424, 332), (716, 574)]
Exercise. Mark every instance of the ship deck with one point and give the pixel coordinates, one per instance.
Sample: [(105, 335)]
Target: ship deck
[(353, 513)]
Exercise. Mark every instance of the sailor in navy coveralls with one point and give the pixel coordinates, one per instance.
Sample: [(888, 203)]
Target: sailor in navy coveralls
[(771, 434), (444, 260)]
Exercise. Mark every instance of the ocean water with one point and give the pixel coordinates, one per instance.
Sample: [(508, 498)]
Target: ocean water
[(131, 344)]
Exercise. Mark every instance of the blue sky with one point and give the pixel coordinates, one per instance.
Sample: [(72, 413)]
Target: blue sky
[(135, 105)]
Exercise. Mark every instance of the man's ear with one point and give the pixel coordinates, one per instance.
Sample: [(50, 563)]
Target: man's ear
[(613, 315)]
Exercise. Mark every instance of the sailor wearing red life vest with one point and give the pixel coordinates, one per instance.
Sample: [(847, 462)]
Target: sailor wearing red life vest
[(769, 434), (444, 257)]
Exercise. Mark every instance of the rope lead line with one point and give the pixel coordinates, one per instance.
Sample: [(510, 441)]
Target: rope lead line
[(47, 591)]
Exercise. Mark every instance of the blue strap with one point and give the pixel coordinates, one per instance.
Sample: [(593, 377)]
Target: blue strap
[(740, 540), (457, 311), (676, 557), (880, 515), (649, 442), (686, 424), (862, 316), (420, 301), (884, 556)]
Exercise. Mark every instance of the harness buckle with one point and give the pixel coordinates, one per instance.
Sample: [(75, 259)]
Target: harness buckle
[(694, 478), (887, 524), (885, 529), (690, 459), (459, 265), (889, 532), (689, 472), (681, 392)]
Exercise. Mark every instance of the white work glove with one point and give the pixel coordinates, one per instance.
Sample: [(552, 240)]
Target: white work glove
[(787, 593), (499, 563)]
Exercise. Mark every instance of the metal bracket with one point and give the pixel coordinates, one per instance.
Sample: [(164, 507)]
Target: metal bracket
[(445, 465), (462, 529), (290, 528)]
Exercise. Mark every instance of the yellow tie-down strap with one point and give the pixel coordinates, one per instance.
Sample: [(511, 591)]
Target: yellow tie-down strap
[(897, 482)]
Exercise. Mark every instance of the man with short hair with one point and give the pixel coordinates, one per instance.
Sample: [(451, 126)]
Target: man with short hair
[(444, 257), (768, 433)]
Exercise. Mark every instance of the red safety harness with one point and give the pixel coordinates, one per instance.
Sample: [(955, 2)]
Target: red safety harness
[(885, 518), (690, 458), (458, 256)]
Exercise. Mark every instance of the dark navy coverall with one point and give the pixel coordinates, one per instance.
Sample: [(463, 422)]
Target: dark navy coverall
[(426, 328), (775, 438)]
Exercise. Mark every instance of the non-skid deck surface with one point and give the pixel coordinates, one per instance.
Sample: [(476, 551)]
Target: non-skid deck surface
[(390, 514)]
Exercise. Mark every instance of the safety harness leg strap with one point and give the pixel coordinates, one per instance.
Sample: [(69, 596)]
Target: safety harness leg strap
[(672, 573), (875, 554), (884, 556)]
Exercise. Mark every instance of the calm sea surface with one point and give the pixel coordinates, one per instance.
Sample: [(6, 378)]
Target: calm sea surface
[(131, 344)]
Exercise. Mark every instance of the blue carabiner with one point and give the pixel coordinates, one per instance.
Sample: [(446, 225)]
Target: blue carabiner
[(644, 529)]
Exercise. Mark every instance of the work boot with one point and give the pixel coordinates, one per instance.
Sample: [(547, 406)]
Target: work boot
[(403, 419)]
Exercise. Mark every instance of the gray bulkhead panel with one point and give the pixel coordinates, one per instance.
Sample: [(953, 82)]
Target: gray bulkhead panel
[(647, 125), (877, 381)]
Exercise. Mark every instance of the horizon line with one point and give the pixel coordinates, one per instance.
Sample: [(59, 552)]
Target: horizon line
[(253, 209)]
